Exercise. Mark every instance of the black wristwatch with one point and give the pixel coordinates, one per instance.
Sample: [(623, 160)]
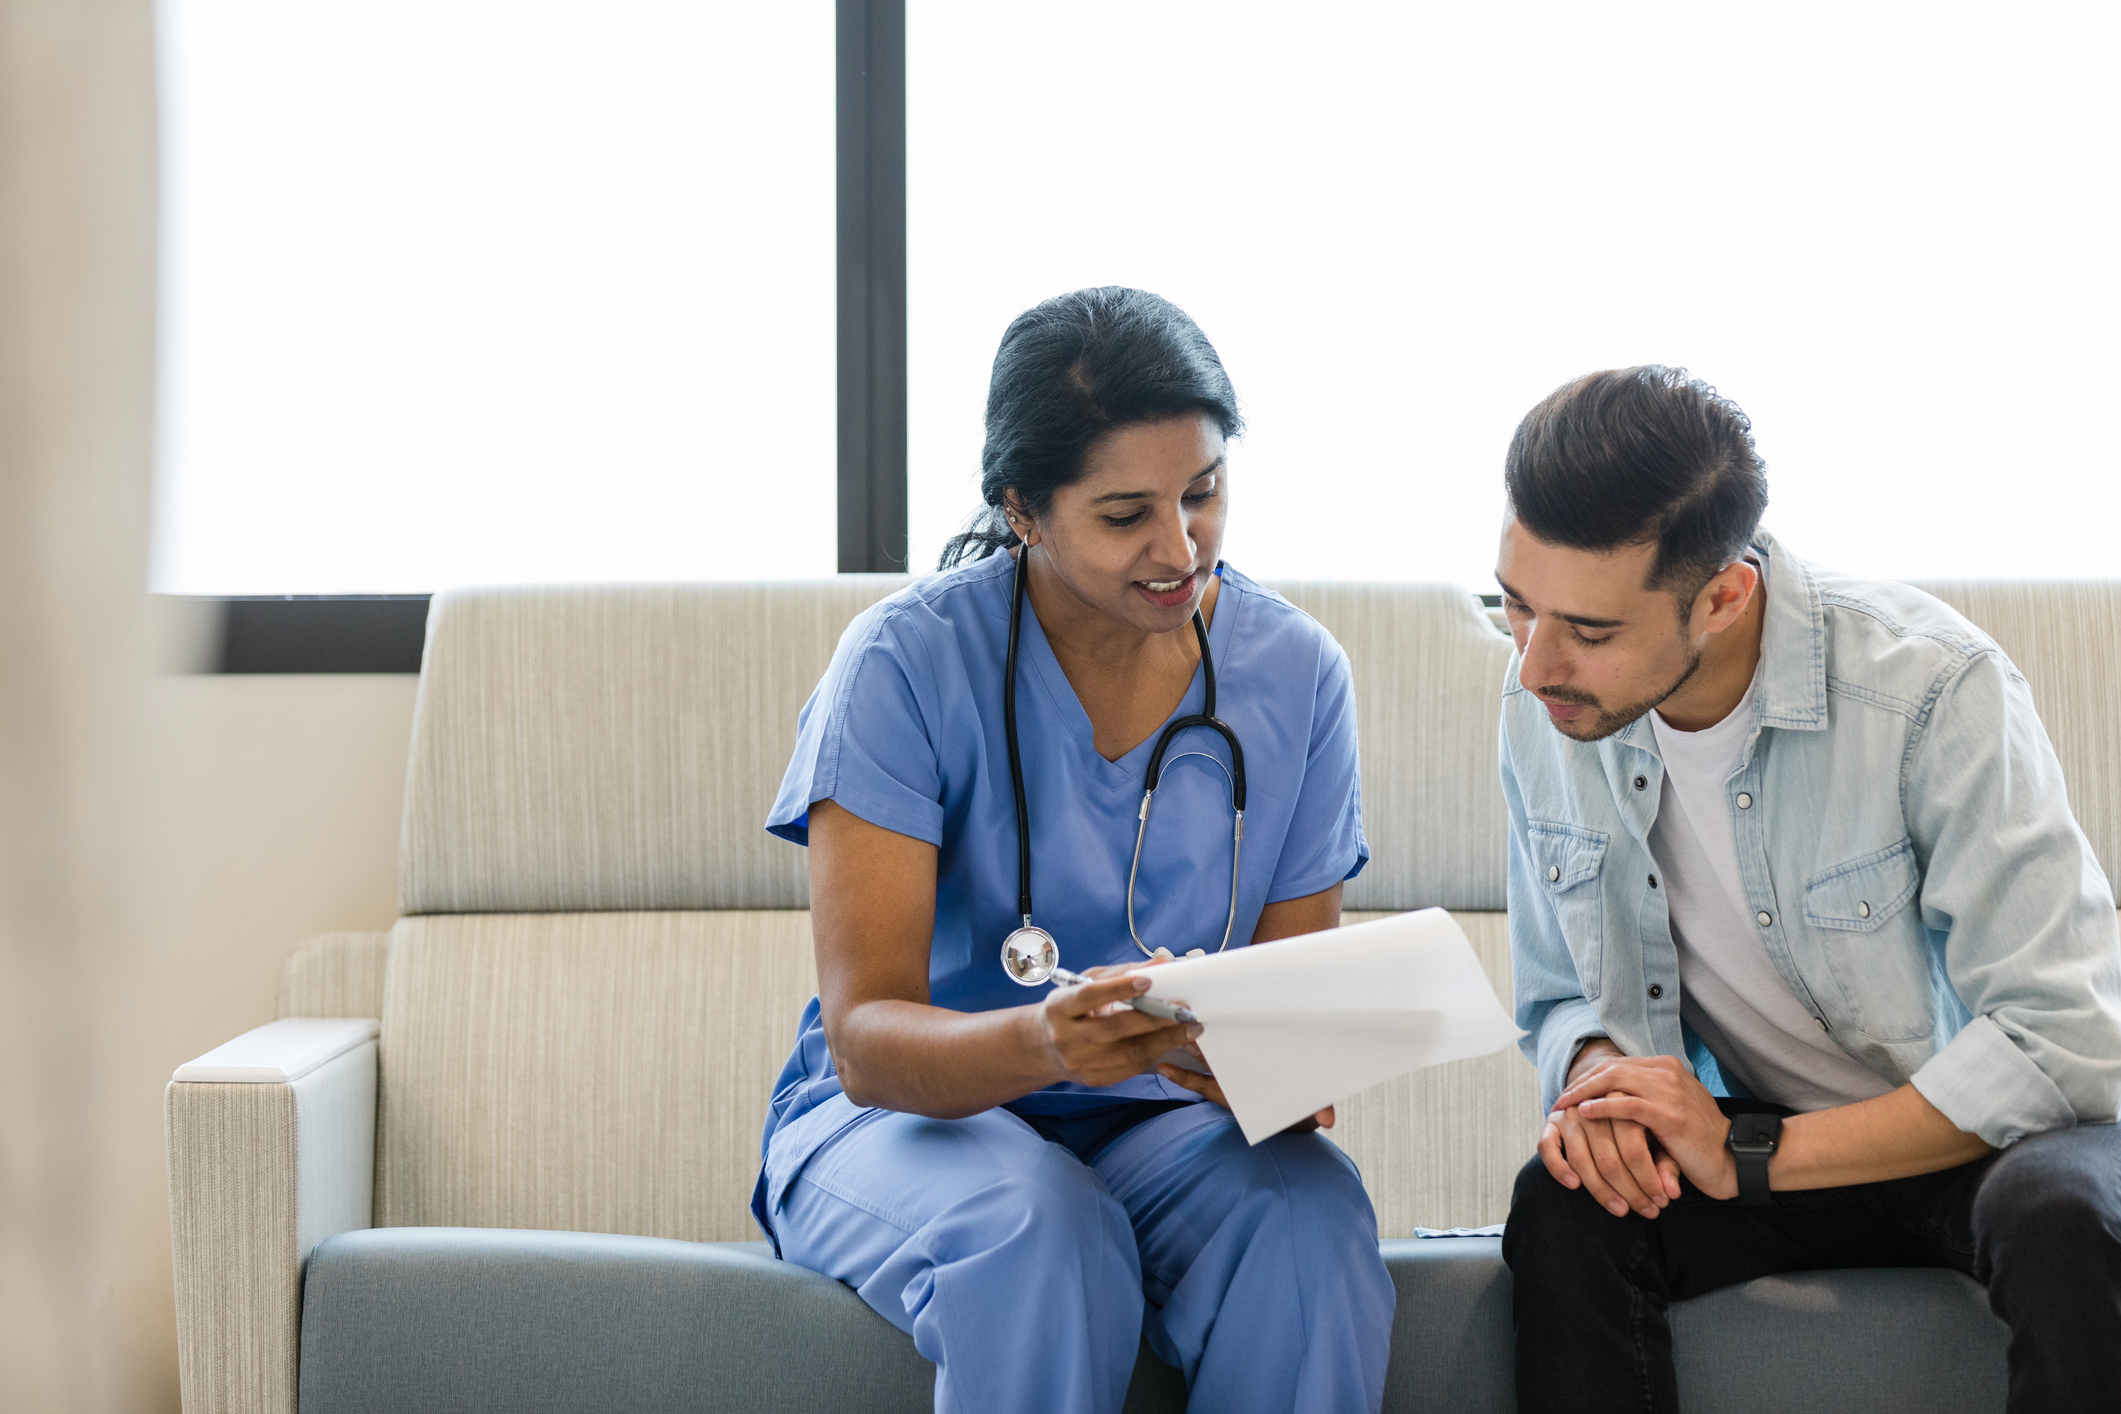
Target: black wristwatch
[(1752, 1141)]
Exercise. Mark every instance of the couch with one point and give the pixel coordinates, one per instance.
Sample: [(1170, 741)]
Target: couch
[(498, 1158)]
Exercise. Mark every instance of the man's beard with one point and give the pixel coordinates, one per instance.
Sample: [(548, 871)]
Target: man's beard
[(1607, 723)]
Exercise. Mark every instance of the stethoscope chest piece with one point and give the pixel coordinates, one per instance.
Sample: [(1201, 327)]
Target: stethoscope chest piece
[(1029, 956)]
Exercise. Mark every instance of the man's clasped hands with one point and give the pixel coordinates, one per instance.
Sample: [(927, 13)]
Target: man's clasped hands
[(1627, 1129)]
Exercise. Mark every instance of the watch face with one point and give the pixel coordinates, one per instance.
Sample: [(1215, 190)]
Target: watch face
[(1756, 1131)]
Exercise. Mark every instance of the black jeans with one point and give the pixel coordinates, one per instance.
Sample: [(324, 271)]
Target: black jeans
[(2038, 1224)]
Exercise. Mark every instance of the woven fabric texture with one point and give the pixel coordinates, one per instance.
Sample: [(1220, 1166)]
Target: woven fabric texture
[(609, 1073), (1441, 1147), (1428, 669), (258, 1174), (613, 746), (2065, 636), (617, 747), (232, 1228), (602, 1072), (335, 974)]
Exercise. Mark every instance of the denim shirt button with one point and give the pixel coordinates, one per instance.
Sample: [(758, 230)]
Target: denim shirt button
[(1655, 991), (1553, 873), (1863, 910), (1766, 919), (1642, 783), (1745, 802)]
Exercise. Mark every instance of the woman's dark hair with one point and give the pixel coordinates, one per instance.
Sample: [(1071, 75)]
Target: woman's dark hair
[(1640, 455), (1070, 371)]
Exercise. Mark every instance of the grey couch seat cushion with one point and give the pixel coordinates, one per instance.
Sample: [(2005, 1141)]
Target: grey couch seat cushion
[(408, 1320), (413, 1319), (1888, 1340)]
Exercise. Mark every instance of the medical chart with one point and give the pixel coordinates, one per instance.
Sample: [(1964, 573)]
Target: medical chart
[(1292, 1026)]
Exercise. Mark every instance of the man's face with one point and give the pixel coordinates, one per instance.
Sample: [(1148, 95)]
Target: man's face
[(1599, 650)]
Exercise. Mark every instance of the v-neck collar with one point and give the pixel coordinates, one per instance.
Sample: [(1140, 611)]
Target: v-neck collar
[(1125, 774)]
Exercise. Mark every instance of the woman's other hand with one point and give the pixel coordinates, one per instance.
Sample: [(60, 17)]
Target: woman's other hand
[(1288, 919), (1209, 1088)]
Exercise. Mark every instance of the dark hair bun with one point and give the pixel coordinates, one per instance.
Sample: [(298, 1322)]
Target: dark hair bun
[(1071, 370)]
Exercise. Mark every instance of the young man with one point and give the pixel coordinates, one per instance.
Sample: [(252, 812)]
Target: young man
[(1800, 839)]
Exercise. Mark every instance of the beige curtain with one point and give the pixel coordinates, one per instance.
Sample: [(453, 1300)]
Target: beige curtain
[(84, 1288)]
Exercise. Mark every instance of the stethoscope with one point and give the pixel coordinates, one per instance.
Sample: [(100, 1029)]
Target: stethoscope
[(1029, 955)]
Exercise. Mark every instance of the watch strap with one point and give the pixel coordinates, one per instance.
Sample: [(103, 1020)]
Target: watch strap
[(1753, 1141)]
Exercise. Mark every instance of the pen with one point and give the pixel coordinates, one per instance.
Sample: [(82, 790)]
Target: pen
[(1165, 1011)]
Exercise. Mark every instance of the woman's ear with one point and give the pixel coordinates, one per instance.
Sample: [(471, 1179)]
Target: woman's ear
[(1019, 519)]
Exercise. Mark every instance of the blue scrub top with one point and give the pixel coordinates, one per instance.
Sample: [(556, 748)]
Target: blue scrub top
[(906, 731)]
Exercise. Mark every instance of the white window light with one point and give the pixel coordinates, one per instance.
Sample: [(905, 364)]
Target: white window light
[(1887, 231), (461, 290)]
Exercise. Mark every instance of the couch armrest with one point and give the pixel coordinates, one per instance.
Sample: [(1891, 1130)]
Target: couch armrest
[(272, 1145)]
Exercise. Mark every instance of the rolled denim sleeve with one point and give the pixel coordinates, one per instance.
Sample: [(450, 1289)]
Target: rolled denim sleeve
[(1548, 994), (2025, 914)]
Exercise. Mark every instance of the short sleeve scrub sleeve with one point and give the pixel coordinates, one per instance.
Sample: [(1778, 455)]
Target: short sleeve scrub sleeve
[(906, 731)]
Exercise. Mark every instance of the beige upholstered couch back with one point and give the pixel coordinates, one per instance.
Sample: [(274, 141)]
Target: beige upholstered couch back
[(617, 747), (2065, 636), (605, 955)]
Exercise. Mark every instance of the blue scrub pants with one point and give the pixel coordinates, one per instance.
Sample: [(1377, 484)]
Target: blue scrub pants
[(1024, 1272)]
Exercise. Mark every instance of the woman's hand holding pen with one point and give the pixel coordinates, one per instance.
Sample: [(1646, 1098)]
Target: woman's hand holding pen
[(1094, 1038)]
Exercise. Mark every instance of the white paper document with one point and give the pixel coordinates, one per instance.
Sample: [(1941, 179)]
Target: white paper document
[(1290, 1027)]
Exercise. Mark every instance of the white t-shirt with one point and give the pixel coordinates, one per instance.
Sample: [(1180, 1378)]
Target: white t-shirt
[(1729, 990)]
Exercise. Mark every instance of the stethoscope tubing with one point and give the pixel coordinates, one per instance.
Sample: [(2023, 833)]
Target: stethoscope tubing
[(1237, 845), (1016, 755), (1206, 718)]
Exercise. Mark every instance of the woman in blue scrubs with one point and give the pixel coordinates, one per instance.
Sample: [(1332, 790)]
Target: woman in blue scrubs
[(1009, 1175)]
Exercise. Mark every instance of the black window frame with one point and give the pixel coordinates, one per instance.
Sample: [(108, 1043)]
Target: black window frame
[(386, 633)]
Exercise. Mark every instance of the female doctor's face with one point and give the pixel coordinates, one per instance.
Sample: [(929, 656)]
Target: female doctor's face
[(1136, 537)]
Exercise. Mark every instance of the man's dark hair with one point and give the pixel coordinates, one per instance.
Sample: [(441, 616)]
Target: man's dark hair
[(1635, 456)]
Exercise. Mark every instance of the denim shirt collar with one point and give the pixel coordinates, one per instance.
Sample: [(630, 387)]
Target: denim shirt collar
[(1792, 643), (1792, 691)]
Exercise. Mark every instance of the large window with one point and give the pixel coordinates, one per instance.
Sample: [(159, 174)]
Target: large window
[(493, 290), (461, 290), (1887, 231)]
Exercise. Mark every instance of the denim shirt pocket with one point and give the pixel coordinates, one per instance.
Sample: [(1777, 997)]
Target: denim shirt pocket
[(1874, 943), (1864, 894), (1566, 862)]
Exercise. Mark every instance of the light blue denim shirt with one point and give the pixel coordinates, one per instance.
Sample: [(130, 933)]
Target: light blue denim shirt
[(1906, 847)]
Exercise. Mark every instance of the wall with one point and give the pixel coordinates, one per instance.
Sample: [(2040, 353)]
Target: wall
[(267, 811), (275, 817), (285, 819), (77, 228), (163, 839)]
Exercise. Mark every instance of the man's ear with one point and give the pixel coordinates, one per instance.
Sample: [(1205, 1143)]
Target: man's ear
[(1723, 600)]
